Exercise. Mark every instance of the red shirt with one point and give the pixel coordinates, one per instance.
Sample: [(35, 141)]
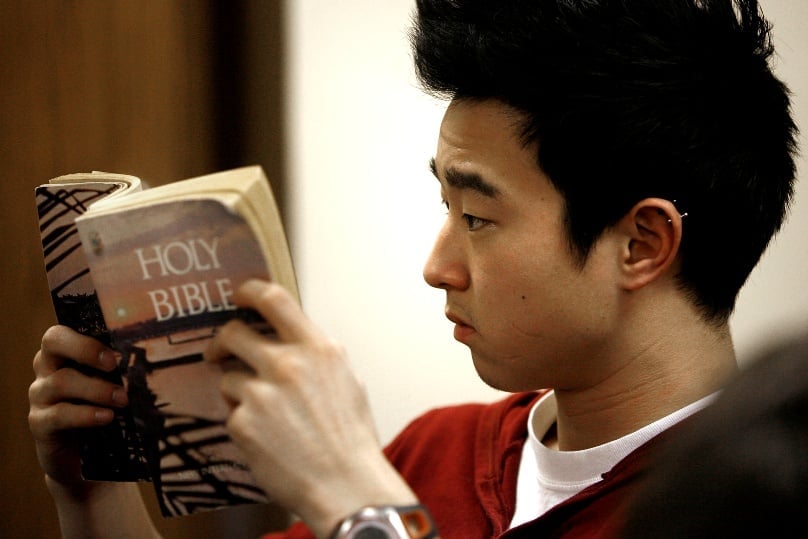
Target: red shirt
[(463, 461)]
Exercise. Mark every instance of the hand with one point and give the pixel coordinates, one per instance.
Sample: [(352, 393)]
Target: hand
[(302, 418), (63, 399)]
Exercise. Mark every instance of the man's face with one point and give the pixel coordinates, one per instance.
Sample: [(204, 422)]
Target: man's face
[(531, 316)]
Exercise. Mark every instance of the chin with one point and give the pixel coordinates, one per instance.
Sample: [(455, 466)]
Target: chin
[(492, 376)]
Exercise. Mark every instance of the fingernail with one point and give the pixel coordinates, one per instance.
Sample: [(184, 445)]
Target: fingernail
[(108, 359), (103, 416), (119, 396)]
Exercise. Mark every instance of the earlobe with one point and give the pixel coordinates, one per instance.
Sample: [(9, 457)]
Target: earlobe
[(653, 233)]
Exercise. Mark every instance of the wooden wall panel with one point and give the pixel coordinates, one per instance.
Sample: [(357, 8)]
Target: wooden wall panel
[(126, 86)]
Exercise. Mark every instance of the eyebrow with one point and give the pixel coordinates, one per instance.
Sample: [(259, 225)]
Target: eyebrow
[(465, 180)]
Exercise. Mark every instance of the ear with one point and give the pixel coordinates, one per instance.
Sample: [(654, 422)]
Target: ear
[(652, 234)]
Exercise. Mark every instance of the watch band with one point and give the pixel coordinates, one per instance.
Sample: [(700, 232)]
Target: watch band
[(388, 522)]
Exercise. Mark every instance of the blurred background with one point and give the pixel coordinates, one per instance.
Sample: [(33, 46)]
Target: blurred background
[(322, 95)]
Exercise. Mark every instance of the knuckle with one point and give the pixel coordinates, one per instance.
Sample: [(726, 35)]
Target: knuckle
[(34, 420), (41, 421), (52, 337), (58, 416), (336, 347), (37, 419), (63, 342), (288, 370), (37, 363), (330, 349), (231, 331), (233, 421), (271, 293), (34, 390), (254, 392), (57, 383), (226, 331), (237, 423)]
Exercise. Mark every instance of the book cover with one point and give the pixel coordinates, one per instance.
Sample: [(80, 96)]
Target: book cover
[(164, 274), (107, 453)]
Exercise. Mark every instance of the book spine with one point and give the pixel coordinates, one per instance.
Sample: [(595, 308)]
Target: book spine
[(108, 453)]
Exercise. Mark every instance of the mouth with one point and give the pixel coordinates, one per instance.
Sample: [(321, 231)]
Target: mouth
[(463, 330)]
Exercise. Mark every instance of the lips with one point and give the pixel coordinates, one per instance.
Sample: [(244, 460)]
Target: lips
[(463, 330), (454, 318)]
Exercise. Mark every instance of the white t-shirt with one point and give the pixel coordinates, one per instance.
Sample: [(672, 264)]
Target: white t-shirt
[(548, 477)]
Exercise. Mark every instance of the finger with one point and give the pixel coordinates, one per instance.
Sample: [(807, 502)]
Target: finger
[(278, 307), (233, 384), (61, 345), (235, 348), (71, 385), (221, 349), (45, 422)]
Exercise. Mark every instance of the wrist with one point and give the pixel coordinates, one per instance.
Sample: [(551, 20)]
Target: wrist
[(100, 509), (370, 482), (78, 490)]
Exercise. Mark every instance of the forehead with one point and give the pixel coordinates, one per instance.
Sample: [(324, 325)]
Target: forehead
[(482, 138), (481, 127)]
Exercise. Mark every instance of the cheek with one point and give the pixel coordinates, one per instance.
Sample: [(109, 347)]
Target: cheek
[(546, 298), (535, 278), (519, 300)]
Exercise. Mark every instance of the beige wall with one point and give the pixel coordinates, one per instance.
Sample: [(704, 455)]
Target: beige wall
[(774, 301)]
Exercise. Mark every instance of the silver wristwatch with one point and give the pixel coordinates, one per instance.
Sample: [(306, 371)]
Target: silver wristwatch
[(387, 522)]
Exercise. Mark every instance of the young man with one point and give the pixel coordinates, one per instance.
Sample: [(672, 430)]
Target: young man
[(612, 171)]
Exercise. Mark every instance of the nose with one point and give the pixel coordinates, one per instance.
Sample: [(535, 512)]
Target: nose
[(445, 267)]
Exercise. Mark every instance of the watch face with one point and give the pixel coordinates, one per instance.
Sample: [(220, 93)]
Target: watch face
[(372, 530), (372, 533)]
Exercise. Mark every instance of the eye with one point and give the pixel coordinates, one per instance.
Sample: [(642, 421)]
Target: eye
[(474, 223)]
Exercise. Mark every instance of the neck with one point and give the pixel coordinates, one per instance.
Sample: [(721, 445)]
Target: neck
[(659, 367)]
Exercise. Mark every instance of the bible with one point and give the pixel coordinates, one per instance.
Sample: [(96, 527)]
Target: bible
[(150, 272)]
